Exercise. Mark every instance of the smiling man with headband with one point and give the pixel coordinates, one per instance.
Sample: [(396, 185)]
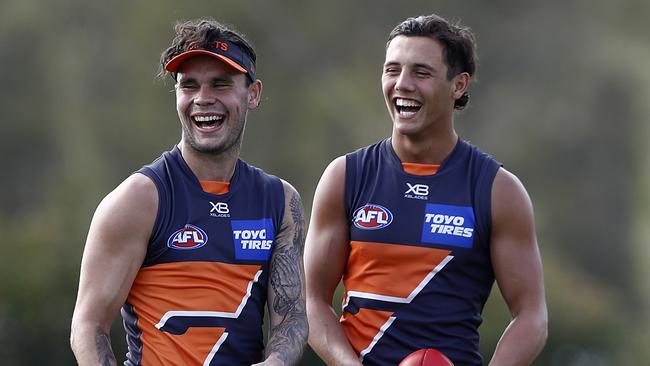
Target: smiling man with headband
[(192, 246)]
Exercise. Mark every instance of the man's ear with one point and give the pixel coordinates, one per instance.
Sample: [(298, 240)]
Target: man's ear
[(460, 84), (254, 94)]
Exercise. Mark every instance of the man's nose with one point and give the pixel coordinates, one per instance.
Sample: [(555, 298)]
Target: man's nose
[(205, 95), (404, 81)]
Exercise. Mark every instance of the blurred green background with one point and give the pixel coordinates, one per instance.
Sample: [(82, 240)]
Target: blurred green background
[(562, 99)]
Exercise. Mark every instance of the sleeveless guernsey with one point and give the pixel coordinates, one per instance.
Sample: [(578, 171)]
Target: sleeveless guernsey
[(419, 269), (199, 296)]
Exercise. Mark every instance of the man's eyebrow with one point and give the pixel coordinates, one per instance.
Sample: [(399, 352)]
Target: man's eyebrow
[(186, 79), (415, 65), (218, 79), (424, 66)]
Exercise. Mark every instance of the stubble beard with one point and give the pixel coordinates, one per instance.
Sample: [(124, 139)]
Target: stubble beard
[(216, 149)]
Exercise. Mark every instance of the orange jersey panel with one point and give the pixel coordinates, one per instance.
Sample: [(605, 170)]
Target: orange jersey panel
[(215, 187), (420, 169), (391, 273), (389, 269), (361, 328), (162, 290)]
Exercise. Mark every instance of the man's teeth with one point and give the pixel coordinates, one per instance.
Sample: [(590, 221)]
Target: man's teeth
[(406, 103), (407, 107), (207, 118), (406, 113)]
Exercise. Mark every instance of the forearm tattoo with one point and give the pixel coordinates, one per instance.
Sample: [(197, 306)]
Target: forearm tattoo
[(288, 337), (104, 351)]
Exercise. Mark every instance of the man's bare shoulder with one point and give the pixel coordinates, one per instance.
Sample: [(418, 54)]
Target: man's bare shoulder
[(509, 193), (132, 204), (332, 181), (336, 169)]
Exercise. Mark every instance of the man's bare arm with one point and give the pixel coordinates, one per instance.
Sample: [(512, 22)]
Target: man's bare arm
[(518, 270), (115, 248), (326, 253), (289, 328)]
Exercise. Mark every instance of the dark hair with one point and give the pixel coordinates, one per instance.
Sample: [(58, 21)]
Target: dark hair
[(459, 44), (201, 33)]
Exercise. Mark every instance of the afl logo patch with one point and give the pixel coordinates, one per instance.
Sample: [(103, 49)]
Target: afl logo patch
[(372, 217), (189, 237)]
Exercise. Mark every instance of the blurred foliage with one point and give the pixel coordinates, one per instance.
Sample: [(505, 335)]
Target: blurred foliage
[(561, 99)]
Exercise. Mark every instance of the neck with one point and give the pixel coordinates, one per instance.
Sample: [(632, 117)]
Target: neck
[(211, 167), (432, 149)]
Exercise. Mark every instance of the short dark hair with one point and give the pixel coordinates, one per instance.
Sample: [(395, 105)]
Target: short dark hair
[(459, 44), (201, 33)]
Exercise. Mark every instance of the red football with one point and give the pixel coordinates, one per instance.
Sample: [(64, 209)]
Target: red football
[(426, 357)]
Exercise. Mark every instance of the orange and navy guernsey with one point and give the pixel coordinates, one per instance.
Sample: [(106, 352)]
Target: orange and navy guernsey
[(419, 269), (199, 296)]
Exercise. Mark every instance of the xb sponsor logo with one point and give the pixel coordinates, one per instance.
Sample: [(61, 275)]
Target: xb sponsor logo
[(372, 217), (219, 209), (417, 191)]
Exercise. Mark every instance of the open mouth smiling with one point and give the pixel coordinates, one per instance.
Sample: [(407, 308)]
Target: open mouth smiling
[(208, 121), (407, 107)]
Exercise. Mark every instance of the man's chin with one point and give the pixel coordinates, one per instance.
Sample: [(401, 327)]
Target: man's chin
[(408, 127), (206, 147)]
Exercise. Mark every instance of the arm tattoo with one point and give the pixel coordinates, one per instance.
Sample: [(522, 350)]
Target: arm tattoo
[(104, 351), (286, 277), (288, 337)]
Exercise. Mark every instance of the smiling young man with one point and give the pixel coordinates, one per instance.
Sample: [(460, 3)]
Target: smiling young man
[(419, 225), (192, 246)]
